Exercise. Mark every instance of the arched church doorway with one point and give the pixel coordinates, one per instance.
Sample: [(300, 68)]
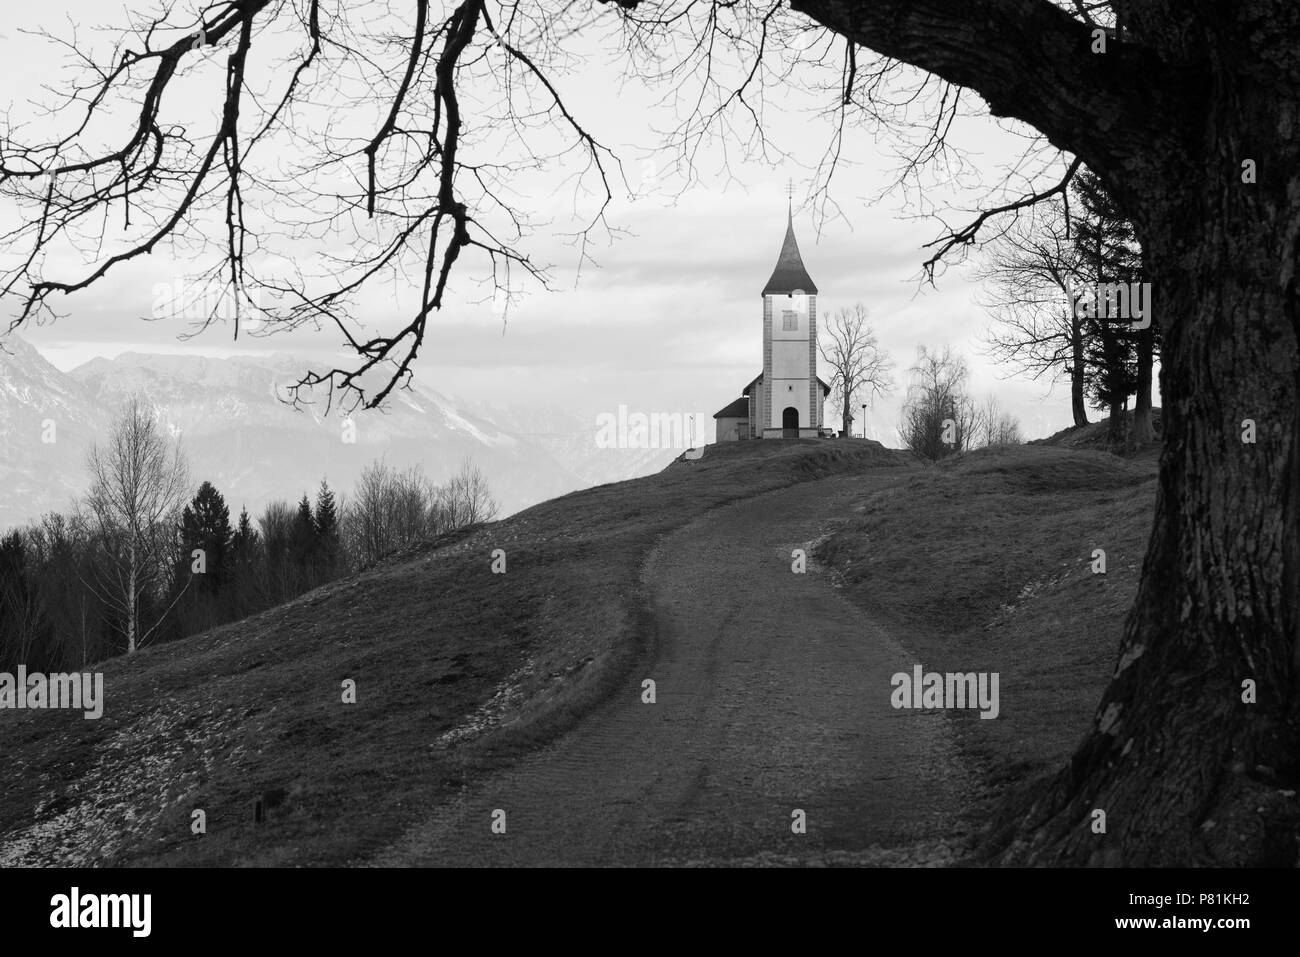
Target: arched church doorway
[(790, 422)]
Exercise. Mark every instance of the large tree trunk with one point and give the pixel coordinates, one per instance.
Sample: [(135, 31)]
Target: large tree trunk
[(1182, 766)]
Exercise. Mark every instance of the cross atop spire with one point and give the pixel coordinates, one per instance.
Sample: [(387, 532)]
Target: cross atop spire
[(789, 193)]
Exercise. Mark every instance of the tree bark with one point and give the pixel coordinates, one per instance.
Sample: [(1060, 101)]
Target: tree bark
[(1182, 765)]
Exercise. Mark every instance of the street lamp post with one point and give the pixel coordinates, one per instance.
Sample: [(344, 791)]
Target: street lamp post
[(864, 420)]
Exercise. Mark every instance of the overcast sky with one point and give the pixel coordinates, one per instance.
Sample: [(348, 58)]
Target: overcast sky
[(672, 319)]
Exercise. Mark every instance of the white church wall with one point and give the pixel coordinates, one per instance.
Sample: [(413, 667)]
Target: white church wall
[(790, 360)]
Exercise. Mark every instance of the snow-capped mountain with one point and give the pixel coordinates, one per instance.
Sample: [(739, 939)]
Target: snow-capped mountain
[(239, 433), (47, 424)]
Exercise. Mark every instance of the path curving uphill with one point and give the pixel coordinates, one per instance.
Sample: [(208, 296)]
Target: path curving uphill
[(772, 696)]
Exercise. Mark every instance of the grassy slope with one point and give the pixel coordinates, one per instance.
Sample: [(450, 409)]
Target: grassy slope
[(457, 670), (983, 564), (1091, 436)]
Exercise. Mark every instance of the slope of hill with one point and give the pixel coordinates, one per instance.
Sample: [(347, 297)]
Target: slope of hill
[(983, 563), (1092, 436), (457, 670), (987, 561)]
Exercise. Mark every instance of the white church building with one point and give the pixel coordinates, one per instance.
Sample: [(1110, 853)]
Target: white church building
[(785, 399)]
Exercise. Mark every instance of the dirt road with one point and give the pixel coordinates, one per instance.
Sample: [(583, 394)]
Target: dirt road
[(772, 696)]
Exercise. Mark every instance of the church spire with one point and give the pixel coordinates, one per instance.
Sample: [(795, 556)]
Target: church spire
[(790, 273)]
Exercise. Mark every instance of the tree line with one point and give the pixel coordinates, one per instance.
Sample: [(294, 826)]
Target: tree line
[(145, 558)]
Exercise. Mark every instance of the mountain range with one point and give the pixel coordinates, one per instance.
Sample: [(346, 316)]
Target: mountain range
[(238, 432)]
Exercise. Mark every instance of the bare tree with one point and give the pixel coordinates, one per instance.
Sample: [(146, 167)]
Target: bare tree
[(466, 499), (997, 426), (437, 183), (368, 518), (1028, 273), (1037, 269), (990, 410), (938, 417), (388, 509), (139, 481), (276, 524), (860, 370), (410, 499)]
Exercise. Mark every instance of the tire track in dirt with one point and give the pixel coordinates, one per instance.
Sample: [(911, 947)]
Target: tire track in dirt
[(772, 695)]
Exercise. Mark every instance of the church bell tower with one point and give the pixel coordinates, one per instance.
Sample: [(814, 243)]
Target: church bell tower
[(790, 404)]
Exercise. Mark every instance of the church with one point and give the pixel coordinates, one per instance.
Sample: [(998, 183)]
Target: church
[(785, 399)]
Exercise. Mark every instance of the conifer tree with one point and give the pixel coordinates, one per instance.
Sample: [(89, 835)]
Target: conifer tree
[(328, 544), (302, 546)]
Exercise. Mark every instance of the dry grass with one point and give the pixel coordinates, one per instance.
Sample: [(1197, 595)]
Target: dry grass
[(984, 564), (980, 564), (458, 671)]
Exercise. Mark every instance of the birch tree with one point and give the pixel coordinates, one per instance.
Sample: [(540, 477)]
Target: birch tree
[(139, 481)]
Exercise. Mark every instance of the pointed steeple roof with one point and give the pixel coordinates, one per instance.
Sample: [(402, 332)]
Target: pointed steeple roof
[(790, 273)]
